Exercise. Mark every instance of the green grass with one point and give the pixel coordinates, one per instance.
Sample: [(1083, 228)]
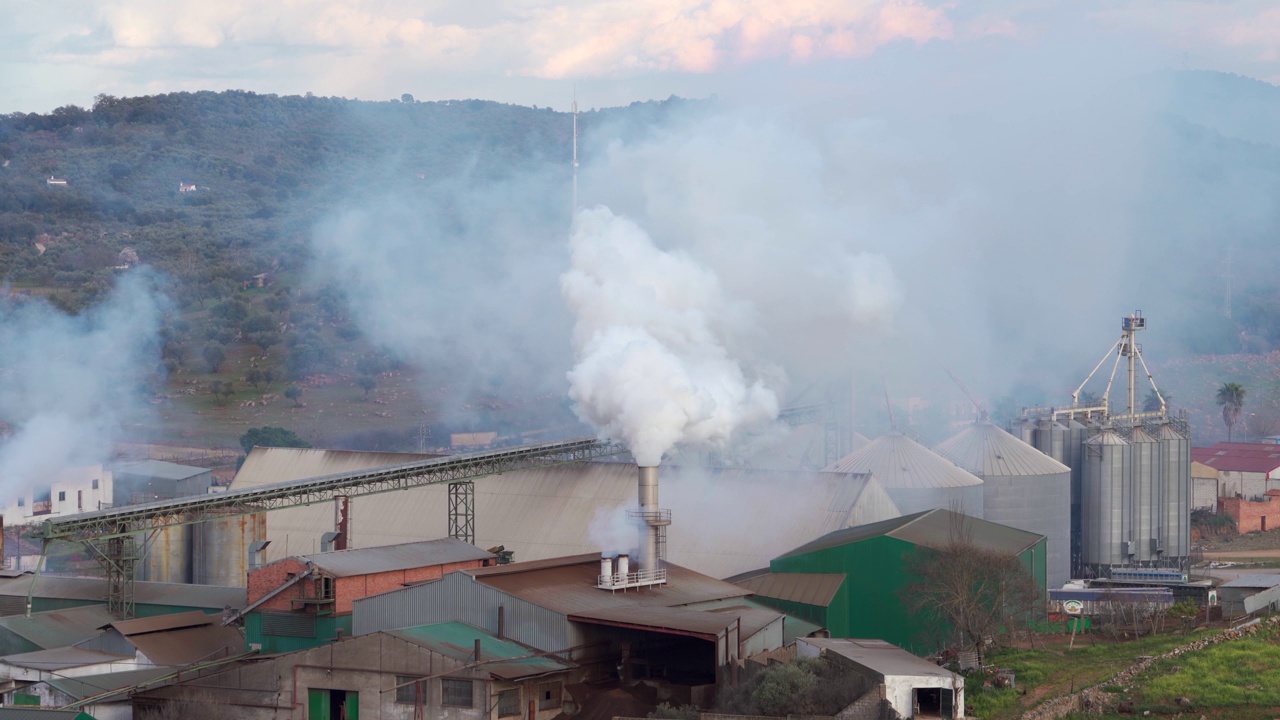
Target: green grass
[(1241, 673)]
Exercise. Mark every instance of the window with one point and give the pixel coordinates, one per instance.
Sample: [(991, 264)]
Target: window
[(21, 502), (326, 588), (509, 702), (548, 695), (62, 495), (457, 693), (95, 483), (407, 694)]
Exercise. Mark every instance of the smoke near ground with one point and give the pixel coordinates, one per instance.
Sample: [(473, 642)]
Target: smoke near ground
[(71, 386)]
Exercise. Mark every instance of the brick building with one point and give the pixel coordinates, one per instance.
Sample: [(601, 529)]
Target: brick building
[(305, 600), (1253, 515)]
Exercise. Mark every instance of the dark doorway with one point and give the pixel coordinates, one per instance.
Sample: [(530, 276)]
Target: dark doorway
[(333, 704), (935, 703)]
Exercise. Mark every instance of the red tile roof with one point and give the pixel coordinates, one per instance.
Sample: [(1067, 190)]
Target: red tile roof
[(1239, 457)]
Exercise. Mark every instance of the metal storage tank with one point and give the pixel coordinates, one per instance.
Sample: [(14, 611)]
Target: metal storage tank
[(167, 557), (1106, 465), (915, 477), (1140, 499), (1021, 487), (1175, 458), (221, 549)]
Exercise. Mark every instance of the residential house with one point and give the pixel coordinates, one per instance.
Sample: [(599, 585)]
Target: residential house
[(1246, 470)]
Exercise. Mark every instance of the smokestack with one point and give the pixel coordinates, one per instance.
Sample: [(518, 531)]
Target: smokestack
[(648, 508), (624, 567)]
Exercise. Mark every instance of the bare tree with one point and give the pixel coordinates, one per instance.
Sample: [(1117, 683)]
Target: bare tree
[(972, 593)]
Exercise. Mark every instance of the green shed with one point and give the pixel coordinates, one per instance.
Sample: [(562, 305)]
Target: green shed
[(851, 581)]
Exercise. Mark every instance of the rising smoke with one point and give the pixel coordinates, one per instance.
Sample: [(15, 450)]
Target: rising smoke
[(650, 339), (73, 386)]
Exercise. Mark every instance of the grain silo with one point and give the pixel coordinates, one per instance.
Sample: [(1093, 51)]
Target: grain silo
[(915, 477), (1021, 488), (1131, 474)]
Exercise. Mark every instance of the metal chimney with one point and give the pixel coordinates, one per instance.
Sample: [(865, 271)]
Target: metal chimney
[(649, 559)]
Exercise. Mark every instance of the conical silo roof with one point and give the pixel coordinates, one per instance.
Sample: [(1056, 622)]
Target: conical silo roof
[(897, 461), (991, 452)]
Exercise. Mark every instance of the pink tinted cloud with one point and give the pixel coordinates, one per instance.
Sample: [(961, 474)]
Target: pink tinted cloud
[(700, 36)]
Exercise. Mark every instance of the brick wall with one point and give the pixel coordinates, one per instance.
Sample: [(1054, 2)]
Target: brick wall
[(1253, 516), (269, 577)]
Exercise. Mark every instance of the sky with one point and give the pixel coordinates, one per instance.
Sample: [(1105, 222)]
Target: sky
[(536, 52)]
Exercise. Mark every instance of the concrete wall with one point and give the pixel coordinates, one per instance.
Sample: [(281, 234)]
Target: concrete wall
[(1204, 493), (899, 689)]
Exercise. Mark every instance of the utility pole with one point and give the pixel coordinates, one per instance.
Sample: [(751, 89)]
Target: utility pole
[(575, 152)]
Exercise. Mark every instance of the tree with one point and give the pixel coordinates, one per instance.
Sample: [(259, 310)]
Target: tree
[(271, 437), (253, 376), (368, 383), (214, 355), (1231, 398), (1152, 402), (293, 392), (970, 592), (227, 390)]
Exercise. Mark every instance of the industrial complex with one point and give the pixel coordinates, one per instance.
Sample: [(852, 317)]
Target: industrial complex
[(537, 581)]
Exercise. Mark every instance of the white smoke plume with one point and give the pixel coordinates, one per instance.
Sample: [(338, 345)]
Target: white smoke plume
[(650, 341), (613, 531), (71, 385)]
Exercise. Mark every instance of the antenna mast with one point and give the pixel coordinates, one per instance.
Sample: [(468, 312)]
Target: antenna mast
[(575, 152)]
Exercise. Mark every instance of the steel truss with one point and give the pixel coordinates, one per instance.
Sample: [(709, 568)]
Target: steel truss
[(119, 522), (462, 511)]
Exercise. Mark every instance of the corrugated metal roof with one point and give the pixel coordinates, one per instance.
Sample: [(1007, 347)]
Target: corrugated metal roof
[(932, 528), (457, 640), (147, 593), (1239, 457), (94, 685), (753, 618), (897, 461), (190, 644), (569, 588), (11, 712), (62, 658), (817, 589), (549, 512), (364, 561), (989, 451), (159, 469), (59, 628), (660, 618), (1254, 581), (881, 657), (173, 621)]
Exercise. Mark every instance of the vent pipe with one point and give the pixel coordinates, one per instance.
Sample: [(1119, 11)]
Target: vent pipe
[(606, 570), (624, 567)]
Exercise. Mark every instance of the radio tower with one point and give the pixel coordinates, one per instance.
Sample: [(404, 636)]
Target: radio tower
[(575, 155)]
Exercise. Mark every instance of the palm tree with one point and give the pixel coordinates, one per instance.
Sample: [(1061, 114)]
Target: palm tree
[(1231, 398)]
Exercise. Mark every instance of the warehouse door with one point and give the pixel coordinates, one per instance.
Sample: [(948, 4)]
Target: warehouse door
[(934, 703), (333, 704)]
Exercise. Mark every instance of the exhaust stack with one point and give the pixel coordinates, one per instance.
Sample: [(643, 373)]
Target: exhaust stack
[(653, 541)]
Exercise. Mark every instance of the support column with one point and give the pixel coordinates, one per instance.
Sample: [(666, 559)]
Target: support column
[(462, 511)]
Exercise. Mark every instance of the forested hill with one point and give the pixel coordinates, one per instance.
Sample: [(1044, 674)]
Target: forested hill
[(262, 167)]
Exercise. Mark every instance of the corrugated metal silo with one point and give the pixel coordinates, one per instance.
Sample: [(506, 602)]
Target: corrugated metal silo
[(1140, 498), (1175, 458), (1022, 488), (1106, 465), (915, 477), (221, 549), (168, 556)]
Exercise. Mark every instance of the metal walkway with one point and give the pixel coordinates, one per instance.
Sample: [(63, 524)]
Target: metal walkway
[(130, 520)]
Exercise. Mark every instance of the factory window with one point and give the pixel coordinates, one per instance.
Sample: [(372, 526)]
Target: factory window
[(456, 692), (95, 483), (326, 588), (62, 495), (548, 695), (21, 502), (408, 694), (509, 702)]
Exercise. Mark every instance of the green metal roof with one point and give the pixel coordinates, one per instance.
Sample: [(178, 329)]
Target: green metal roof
[(13, 712), (502, 658), (931, 528)]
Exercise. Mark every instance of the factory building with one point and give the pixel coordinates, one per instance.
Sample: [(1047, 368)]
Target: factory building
[(1021, 487), (685, 633), (565, 509), (306, 600), (915, 477), (852, 581), (1130, 476)]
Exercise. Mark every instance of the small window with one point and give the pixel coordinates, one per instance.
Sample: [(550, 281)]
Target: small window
[(457, 693), (408, 694), (326, 588), (62, 495), (549, 695), (21, 502), (95, 483), (509, 702)]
